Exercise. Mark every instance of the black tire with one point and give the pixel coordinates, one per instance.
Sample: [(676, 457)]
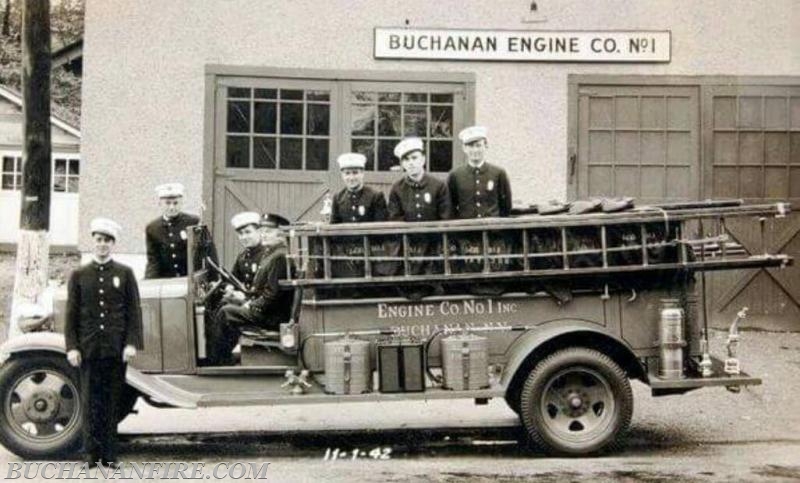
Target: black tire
[(40, 407), (576, 402)]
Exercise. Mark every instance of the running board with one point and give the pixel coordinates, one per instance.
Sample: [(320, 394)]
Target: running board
[(244, 370)]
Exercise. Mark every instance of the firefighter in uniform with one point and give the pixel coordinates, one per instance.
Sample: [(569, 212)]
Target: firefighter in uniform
[(355, 203), (259, 267), (103, 330), (479, 189), (419, 197), (166, 235)]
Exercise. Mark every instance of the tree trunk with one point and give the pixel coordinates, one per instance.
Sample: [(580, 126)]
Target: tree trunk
[(7, 19), (32, 245)]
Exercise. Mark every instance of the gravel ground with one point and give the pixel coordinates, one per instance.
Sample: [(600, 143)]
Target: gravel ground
[(61, 265)]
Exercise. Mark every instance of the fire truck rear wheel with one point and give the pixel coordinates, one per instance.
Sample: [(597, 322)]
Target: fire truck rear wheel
[(576, 402)]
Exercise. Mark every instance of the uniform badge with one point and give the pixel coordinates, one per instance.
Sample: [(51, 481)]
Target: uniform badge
[(184, 236), (427, 198), (253, 267), (490, 185), (116, 282), (361, 210)]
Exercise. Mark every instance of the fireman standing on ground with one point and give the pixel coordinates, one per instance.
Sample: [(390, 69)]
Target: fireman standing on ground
[(103, 330)]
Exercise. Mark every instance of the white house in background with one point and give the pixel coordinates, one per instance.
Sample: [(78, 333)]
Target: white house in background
[(66, 143)]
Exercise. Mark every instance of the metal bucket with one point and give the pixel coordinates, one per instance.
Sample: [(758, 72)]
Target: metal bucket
[(348, 366), (465, 362)]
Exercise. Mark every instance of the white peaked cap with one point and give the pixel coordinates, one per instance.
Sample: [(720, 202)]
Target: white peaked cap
[(472, 133), (407, 145), (106, 227), (169, 190), (351, 161), (245, 218)]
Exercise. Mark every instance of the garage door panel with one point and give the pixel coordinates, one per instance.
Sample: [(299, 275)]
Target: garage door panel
[(600, 147), (637, 134), (725, 183), (600, 181), (777, 183)]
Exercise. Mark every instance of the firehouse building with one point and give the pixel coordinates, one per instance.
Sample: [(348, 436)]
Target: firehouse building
[(248, 103)]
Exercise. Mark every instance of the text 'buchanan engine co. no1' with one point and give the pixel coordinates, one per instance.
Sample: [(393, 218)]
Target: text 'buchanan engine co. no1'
[(574, 307)]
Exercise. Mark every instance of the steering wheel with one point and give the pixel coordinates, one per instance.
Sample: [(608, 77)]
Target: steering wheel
[(225, 276)]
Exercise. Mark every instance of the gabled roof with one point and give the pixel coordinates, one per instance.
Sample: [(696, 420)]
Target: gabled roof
[(70, 56), (15, 98)]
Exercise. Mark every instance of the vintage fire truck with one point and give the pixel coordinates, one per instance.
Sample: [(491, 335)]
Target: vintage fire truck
[(553, 313)]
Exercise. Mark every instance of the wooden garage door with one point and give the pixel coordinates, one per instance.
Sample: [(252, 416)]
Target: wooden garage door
[(752, 151), (639, 141), (273, 150)]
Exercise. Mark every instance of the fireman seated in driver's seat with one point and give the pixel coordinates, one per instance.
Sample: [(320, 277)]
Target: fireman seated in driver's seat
[(259, 267)]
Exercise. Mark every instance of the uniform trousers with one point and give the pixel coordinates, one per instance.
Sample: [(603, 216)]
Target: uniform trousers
[(223, 334), (101, 384)]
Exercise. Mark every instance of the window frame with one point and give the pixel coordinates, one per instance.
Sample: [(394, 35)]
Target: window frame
[(219, 77), (68, 157)]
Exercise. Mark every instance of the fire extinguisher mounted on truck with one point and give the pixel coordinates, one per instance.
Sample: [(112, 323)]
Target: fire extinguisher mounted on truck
[(555, 312)]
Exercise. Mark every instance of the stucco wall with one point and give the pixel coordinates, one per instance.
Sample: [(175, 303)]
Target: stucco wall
[(144, 59)]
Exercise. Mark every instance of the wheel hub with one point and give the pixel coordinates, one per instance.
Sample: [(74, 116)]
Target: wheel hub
[(577, 403), (42, 406)]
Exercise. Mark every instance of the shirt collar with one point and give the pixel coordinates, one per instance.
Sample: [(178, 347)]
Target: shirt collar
[(98, 263), (481, 167), (417, 184), (170, 220)]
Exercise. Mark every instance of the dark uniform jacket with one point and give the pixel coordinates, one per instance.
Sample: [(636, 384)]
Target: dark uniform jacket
[(246, 264), (359, 206), (269, 302), (479, 192), (166, 246), (103, 313), (423, 201)]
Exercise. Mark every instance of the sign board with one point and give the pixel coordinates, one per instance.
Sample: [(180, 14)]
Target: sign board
[(523, 45)]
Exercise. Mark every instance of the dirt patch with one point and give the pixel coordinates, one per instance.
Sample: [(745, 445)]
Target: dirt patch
[(61, 265)]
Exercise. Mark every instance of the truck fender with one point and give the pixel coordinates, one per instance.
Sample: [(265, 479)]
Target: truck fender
[(33, 341), (536, 337), (147, 385)]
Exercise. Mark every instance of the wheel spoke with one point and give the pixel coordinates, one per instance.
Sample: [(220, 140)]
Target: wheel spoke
[(45, 429), (25, 389), (53, 383), (65, 410), (18, 413), (597, 393)]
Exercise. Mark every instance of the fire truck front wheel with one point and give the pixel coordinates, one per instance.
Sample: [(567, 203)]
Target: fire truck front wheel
[(576, 402), (41, 416)]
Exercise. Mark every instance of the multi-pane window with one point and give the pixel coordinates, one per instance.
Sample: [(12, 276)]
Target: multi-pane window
[(12, 172), (379, 120), (66, 172), (272, 128)]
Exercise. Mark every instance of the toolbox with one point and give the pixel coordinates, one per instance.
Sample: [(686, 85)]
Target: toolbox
[(401, 365)]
